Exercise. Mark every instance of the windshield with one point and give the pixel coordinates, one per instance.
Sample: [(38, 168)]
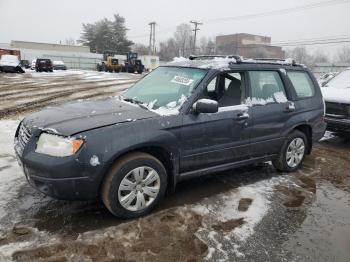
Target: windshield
[(165, 87), (340, 81)]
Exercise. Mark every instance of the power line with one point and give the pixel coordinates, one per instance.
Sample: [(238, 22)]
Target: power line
[(279, 12), (262, 14)]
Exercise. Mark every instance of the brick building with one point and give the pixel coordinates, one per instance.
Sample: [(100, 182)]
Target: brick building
[(247, 45)]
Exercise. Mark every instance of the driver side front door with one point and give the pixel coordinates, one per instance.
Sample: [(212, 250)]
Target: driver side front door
[(210, 140)]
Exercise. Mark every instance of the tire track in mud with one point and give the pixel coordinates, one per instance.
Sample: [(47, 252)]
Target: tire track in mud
[(28, 93), (53, 100), (65, 84), (76, 86)]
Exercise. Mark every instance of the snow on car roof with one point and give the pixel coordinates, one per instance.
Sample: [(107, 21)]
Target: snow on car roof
[(224, 63)]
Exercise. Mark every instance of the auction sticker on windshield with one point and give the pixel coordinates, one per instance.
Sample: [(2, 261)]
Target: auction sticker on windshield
[(182, 80)]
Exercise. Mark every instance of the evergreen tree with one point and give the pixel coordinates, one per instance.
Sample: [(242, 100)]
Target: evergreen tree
[(106, 36)]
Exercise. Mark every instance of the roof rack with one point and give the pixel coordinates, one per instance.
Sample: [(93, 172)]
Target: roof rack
[(240, 59), (199, 57), (280, 60)]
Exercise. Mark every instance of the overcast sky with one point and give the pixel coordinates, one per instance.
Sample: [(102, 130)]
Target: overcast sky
[(54, 21)]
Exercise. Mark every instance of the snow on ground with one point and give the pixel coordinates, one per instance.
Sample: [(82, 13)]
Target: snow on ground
[(224, 208), (10, 173)]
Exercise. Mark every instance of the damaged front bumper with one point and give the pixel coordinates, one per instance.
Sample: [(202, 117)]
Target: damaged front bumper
[(68, 178)]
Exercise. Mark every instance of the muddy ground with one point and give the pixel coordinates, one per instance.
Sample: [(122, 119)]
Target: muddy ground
[(247, 214), (23, 93)]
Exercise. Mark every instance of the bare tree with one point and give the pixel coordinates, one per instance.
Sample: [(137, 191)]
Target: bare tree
[(168, 50), (141, 49), (300, 54), (320, 57), (184, 39), (343, 54), (70, 41), (206, 46)]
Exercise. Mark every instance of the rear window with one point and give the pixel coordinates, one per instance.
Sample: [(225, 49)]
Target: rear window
[(302, 84)]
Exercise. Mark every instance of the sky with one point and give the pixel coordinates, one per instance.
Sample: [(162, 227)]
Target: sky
[(55, 21)]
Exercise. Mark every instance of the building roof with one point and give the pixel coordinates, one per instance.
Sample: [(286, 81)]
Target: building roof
[(49, 46)]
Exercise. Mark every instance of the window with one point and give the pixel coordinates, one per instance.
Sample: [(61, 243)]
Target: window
[(227, 89), (302, 83), (266, 87)]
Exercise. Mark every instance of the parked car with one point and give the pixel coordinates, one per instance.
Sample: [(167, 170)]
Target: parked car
[(59, 65), (182, 120), (336, 94), (43, 65), (10, 64), (325, 78), (25, 64)]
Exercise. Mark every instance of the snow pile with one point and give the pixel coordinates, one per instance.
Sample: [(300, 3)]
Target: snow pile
[(11, 175), (219, 62), (280, 97), (171, 108), (180, 59), (251, 101)]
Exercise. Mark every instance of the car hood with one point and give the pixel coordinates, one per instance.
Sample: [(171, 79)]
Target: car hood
[(72, 118), (336, 95)]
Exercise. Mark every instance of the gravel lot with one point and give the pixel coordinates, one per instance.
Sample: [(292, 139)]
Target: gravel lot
[(246, 214)]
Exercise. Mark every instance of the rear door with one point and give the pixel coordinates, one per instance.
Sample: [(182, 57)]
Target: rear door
[(270, 110)]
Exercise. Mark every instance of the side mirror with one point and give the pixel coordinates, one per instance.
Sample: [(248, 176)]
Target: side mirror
[(206, 106)]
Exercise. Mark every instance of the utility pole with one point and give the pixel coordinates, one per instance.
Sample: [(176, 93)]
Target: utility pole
[(196, 24), (152, 38)]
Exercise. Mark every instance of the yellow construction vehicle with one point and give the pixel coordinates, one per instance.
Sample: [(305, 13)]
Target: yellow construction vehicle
[(110, 65)]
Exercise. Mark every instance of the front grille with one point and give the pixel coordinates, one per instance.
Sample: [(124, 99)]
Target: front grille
[(337, 109), (23, 137)]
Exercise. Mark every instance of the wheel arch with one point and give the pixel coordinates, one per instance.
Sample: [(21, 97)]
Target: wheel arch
[(307, 130)]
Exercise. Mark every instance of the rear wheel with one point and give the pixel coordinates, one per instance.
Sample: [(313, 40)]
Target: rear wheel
[(134, 185), (292, 153)]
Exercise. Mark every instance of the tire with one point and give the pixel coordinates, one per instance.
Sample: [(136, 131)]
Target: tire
[(20, 70), (286, 163), (125, 168)]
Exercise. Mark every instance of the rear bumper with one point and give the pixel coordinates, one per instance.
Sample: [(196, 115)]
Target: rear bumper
[(338, 124)]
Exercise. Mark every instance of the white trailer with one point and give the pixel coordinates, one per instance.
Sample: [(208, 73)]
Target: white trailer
[(150, 62)]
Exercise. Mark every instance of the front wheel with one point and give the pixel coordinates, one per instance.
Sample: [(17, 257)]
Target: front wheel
[(292, 152), (134, 185)]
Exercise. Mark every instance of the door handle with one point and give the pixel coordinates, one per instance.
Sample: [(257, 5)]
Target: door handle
[(290, 108), (242, 116)]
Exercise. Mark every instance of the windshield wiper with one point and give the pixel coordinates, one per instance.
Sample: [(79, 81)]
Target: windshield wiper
[(139, 103)]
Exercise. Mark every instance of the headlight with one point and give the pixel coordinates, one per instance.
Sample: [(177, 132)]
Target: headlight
[(59, 146)]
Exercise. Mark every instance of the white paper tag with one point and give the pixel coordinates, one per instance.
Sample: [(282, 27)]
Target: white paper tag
[(182, 80)]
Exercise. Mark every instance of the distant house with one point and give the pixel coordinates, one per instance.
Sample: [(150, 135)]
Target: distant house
[(248, 45)]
